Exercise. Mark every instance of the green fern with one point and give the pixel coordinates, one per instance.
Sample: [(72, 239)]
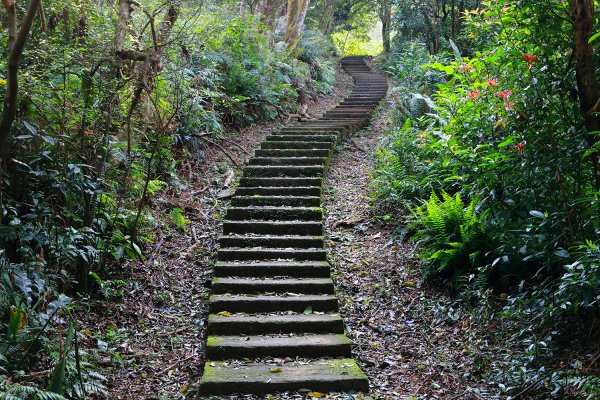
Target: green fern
[(451, 237), (16, 391)]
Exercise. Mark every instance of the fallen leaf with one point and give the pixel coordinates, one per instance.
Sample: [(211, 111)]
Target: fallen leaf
[(275, 370), (315, 394), (224, 314)]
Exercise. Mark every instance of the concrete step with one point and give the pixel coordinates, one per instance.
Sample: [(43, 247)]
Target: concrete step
[(281, 285), (270, 213), (303, 242), (263, 324), (256, 171), (279, 191), (296, 145), (273, 303), (258, 378), (293, 132), (276, 137), (346, 115), (293, 153), (312, 228), (276, 201), (288, 161), (314, 130), (261, 254), (298, 269), (280, 182), (309, 345)]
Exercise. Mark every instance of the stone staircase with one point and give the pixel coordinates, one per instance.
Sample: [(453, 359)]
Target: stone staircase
[(272, 293)]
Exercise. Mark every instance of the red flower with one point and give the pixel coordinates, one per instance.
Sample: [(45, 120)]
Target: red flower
[(519, 148), (503, 94), (492, 82), (508, 105), (529, 59), (466, 68), (473, 95)]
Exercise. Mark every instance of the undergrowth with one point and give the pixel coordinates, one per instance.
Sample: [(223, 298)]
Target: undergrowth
[(490, 152)]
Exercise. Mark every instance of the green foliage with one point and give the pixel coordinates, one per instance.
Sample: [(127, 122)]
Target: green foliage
[(451, 237), (16, 391), (402, 173), (579, 287), (178, 219), (100, 134), (496, 118)]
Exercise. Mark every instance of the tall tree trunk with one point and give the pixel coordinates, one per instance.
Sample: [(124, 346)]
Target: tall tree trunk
[(16, 45), (385, 14), (582, 14), (296, 12)]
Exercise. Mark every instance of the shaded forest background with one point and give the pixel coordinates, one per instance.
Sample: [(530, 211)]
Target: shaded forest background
[(491, 166)]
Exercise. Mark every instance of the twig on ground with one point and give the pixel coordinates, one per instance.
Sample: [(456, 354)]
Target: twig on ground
[(176, 363), (225, 152)]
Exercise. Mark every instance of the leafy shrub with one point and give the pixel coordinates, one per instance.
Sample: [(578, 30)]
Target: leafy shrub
[(402, 174), (579, 287), (452, 238)]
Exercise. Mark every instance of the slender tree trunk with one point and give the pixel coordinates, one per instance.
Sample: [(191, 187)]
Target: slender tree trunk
[(296, 13), (582, 14), (16, 45), (453, 19), (385, 14)]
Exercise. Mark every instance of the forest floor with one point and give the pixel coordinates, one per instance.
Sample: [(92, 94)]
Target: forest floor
[(149, 335)]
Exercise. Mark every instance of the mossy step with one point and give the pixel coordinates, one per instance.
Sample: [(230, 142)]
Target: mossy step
[(348, 115), (274, 227), (363, 97), (322, 376), (281, 182), (253, 286), (284, 170), (280, 144), (318, 122), (304, 242), (300, 132), (316, 269), (293, 153), (359, 103), (272, 213), (282, 161), (298, 201), (274, 303), (275, 137), (266, 324), (279, 191), (309, 345), (314, 130), (357, 108), (261, 254)]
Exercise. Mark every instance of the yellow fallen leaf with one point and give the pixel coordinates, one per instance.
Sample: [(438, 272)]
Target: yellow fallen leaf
[(184, 389), (86, 331), (275, 370), (315, 394), (408, 283), (225, 314)]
